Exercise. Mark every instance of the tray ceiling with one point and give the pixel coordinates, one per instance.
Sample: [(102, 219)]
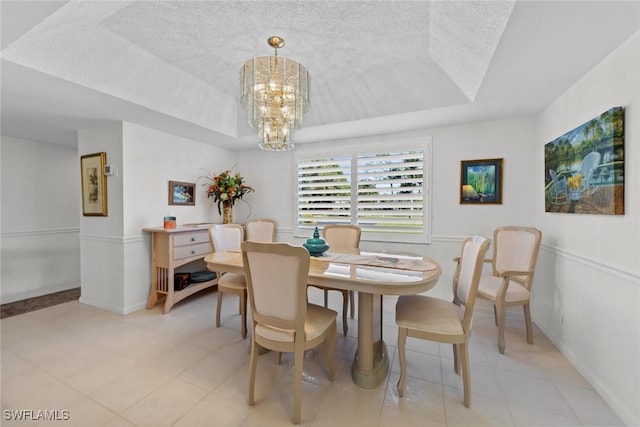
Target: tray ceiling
[(376, 66)]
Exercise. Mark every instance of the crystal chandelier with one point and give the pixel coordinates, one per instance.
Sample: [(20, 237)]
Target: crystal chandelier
[(275, 93)]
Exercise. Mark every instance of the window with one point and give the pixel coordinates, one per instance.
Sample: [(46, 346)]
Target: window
[(383, 190)]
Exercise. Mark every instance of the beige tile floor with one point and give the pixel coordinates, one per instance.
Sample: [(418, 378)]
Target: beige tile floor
[(149, 369)]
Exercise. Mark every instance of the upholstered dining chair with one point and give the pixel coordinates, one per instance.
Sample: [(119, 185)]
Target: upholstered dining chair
[(515, 253), (283, 321), (229, 237), (341, 237), (434, 319), (261, 230)]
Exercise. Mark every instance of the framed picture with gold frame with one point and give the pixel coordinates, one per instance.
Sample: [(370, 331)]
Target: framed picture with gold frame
[(94, 184), (481, 182)]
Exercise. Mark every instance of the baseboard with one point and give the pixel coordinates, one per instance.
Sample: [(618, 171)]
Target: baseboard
[(19, 296), (135, 307), (112, 308), (101, 305), (620, 410)]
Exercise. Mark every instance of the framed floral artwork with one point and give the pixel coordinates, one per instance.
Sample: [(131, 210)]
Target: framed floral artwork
[(94, 184), (481, 182), (182, 193)]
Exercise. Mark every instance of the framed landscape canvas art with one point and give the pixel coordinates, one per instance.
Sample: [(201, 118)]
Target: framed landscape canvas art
[(584, 168), (481, 182)]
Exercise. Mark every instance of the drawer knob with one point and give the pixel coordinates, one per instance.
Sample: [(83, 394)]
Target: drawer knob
[(193, 252), (193, 239)]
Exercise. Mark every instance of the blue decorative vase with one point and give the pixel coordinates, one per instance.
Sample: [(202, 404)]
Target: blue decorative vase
[(316, 246)]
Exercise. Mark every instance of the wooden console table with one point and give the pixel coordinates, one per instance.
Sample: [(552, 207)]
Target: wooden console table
[(170, 250)]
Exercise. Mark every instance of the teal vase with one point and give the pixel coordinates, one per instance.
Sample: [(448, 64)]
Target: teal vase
[(316, 246)]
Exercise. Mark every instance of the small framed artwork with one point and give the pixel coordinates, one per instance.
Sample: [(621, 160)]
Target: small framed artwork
[(94, 184), (182, 193), (481, 182)]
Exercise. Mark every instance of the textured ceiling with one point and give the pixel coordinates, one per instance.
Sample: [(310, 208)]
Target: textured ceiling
[(174, 65)]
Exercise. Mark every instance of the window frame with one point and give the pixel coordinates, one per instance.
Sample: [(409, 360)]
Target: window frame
[(353, 150)]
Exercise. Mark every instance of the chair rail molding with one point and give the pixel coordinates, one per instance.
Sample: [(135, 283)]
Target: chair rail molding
[(630, 276), (126, 240), (41, 232)]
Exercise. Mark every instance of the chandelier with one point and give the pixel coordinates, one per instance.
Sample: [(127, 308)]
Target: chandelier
[(275, 93)]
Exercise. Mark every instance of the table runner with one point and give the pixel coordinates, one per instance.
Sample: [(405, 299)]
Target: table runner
[(379, 260)]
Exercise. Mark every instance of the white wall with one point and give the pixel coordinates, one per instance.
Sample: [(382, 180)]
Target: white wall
[(152, 159), (40, 251), (116, 254), (101, 251), (586, 297), (273, 177)]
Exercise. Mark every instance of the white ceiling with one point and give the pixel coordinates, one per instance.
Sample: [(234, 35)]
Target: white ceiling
[(376, 66)]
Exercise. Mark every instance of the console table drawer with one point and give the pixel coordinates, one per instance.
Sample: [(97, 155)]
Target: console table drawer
[(191, 250), (190, 239)]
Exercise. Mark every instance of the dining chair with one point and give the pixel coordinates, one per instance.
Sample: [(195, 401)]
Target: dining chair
[(261, 230), (229, 237), (515, 253), (282, 319), (341, 237), (435, 319)]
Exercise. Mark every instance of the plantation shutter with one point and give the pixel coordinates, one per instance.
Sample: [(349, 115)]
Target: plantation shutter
[(383, 190), (324, 191), (390, 192)]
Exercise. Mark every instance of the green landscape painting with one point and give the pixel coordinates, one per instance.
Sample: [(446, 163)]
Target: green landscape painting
[(584, 168)]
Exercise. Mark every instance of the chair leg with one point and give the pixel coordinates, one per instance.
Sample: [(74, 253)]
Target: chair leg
[(218, 308), (297, 387), (331, 343), (402, 340), (456, 358), (466, 375), (326, 298), (252, 370), (345, 309), (352, 299), (527, 321), (500, 317), (243, 314), (495, 315)]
